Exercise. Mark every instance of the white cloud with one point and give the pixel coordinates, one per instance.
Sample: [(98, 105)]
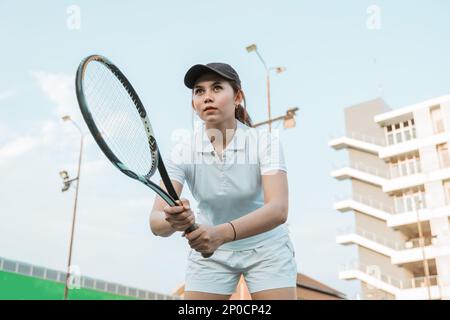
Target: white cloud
[(60, 89), (47, 135), (17, 147)]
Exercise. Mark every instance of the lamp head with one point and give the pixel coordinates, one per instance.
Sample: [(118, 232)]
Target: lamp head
[(251, 48), (64, 174)]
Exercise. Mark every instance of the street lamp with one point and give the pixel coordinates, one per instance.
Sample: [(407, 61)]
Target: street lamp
[(417, 206), (288, 119), (66, 185), (254, 48)]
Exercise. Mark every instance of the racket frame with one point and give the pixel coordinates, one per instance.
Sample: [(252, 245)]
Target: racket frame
[(156, 157)]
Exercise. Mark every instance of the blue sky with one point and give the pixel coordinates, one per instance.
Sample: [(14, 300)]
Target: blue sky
[(329, 53)]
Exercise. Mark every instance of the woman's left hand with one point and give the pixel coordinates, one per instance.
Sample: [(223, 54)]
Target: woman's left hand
[(205, 239)]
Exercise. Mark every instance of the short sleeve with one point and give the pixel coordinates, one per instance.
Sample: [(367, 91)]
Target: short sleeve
[(270, 152), (175, 164)]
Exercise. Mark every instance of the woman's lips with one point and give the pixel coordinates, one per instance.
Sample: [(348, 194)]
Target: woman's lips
[(209, 109)]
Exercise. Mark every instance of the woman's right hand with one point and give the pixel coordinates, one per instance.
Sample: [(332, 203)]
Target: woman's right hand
[(180, 217)]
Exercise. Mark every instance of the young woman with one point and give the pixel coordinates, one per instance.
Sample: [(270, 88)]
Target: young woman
[(238, 178)]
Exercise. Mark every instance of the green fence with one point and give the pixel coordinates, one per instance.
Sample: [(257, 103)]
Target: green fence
[(16, 286), (20, 280)]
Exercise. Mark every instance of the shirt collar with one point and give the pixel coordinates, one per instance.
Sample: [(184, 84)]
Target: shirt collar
[(204, 145)]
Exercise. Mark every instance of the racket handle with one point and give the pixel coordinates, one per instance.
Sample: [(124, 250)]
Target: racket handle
[(192, 228)]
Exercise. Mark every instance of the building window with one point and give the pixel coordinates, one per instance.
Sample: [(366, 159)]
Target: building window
[(447, 191), (407, 135), (400, 132), (390, 139), (411, 166), (436, 118), (444, 155), (399, 204), (412, 200), (405, 166), (394, 170), (409, 204)]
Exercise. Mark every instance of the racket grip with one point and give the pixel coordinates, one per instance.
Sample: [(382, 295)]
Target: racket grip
[(192, 228)]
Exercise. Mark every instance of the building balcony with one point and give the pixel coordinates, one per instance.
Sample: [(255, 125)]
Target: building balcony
[(415, 180), (357, 141), (402, 289), (361, 172), (379, 210), (378, 146), (383, 179), (400, 252), (413, 145)]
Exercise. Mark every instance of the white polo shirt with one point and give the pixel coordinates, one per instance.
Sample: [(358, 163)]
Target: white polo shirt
[(230, 187)]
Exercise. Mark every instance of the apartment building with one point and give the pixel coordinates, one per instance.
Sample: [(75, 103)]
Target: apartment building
[(399, 171)]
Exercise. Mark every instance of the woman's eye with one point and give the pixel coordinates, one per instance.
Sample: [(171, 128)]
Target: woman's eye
[(197, 91), (217, 88)]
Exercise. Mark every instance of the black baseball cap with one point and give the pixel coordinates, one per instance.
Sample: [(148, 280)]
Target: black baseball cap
[(222, 69)]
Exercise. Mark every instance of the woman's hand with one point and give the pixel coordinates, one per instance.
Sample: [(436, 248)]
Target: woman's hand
[(206, 239), (180, 217)]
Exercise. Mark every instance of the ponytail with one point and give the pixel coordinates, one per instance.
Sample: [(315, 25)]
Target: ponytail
[(240, 112)]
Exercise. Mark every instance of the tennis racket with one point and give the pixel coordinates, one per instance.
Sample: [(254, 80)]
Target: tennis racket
[(120, 124)]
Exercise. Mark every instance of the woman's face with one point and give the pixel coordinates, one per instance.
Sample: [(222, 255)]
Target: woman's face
[(214, 99)]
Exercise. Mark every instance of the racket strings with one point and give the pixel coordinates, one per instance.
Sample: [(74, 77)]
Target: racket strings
[(113, 109)]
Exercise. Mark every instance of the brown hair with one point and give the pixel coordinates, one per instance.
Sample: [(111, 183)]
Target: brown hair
[(240, 112)]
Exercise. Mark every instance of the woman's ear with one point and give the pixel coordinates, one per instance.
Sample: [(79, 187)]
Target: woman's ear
[(238, 98)]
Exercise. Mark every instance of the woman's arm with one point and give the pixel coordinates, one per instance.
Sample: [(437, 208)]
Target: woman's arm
[(274, 212), (158, 224)]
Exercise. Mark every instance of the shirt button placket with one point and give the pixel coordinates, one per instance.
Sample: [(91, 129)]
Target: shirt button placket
[(224, 157)]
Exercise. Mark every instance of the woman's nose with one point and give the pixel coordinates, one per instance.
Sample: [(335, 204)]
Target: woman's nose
[(207, 98)]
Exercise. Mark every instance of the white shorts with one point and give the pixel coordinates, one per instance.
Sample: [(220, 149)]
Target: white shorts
[(269, 266)]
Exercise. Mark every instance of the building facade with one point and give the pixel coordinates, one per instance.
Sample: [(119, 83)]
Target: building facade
[(399, 169)]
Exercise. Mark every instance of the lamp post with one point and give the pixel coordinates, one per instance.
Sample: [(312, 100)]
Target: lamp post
[(67, 182), (422, 246), (253, 48), (288, 119)]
